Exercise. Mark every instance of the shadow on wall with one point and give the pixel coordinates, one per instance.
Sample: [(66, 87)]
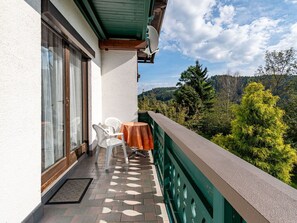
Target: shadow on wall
[(113, 59), (35, 4)]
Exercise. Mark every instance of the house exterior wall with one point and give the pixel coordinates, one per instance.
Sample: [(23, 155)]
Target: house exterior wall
[(76, 19), (20, 108), (20, 97), (119, 85)]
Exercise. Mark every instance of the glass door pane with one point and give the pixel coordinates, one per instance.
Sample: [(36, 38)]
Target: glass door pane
[(75, 98), (52, 108)]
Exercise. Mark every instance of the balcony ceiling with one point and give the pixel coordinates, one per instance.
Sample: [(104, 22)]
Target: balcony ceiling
[(125, 20), (117, 19)]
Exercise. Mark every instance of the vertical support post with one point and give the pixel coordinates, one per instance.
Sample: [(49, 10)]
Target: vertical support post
[(155, 140), (165, 162), (218, 207)]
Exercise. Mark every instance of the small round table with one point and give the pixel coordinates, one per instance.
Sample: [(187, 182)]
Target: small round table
[(138, 135)]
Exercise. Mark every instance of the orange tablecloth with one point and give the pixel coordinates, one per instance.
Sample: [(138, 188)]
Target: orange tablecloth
[(138, 134)]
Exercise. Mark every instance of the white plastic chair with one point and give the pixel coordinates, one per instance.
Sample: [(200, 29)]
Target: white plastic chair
[(113, 122), (108, 141)]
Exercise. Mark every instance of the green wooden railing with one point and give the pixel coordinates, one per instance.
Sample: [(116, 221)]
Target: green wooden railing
[(190, 195)]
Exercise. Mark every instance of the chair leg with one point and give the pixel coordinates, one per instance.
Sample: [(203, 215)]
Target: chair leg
[(97, 153), (108, 156), (125, 152)]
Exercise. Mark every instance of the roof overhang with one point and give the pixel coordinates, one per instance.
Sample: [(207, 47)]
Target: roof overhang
[(122, 24)]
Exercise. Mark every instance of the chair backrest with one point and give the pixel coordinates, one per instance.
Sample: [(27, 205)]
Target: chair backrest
[(113, 122), (101, 135)]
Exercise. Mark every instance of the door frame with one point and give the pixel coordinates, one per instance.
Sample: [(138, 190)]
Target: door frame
[(53, 19)]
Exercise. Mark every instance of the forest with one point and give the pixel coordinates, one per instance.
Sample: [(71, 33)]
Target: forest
[(254, 117)]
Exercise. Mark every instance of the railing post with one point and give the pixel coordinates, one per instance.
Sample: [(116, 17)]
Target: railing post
[(155, 140), (218, 207), (165, 161)]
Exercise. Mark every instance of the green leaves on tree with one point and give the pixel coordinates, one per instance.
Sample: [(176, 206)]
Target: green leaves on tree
[(257, 133)]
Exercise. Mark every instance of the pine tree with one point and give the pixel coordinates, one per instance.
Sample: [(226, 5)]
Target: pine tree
[(194, 91), (257, 133)]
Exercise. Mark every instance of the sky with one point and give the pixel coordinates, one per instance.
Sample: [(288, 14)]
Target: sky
[(226, 36)]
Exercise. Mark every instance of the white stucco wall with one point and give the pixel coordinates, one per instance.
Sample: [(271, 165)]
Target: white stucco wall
[(76, 19), (20, 109), (119, 85)]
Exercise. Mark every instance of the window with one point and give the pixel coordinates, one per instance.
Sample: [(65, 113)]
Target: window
[(52, 109), (62, 116)]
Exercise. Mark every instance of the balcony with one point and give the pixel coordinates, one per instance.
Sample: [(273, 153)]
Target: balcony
[(123, 194), (197, 180)]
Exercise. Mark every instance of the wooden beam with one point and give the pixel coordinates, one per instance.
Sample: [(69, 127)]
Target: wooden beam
[(113, 44)]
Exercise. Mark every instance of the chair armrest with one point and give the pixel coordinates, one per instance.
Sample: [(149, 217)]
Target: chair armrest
[(116, 134)]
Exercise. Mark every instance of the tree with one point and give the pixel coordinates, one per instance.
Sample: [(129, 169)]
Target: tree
[(257, 133), (169, 108), (194, 91), (278, 66), (289, 104), (218, 120)]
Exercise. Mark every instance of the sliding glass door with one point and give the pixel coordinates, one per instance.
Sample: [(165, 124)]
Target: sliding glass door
[(75, 98), (64, 106), (52, 109)]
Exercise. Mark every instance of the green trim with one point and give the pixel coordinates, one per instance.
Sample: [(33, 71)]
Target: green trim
[(218, 203), (91, 19), (125, 19), (147, 9), (95, 19)]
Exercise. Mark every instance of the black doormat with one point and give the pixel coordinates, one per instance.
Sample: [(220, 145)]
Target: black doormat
[(72, 191)]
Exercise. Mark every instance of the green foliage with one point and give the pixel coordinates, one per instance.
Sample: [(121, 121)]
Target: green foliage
[(161, 93), (289, 104), (217, 120), (279, 65), (257, 133), (194, 91), (170, 109)]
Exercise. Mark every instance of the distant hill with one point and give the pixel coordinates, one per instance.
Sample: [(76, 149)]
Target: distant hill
[(161, 93), (225, 84)]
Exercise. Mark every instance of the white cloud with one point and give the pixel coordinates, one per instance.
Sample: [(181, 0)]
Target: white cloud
[(288, 40), (227, 13), (292, 1), (205, 29)]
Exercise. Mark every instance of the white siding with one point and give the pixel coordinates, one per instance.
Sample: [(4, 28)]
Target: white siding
[(20, 109), (119, 85)]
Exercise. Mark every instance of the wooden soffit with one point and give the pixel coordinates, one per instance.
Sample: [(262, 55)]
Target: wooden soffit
[(113, 44)]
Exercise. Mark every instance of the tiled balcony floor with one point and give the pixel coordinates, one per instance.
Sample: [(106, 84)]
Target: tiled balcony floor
[(124, 194)]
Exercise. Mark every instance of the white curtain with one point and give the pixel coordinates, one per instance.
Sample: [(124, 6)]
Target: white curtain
[(75, 98), (52, 116)]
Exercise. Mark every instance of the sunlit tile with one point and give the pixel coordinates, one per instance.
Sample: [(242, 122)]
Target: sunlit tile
[(132, 192), (134, 164), (111, 190), (131, 213), (134, 161), (133, 173), (102, 221), (133, 185), (132, 178), (116, 171), (118, 167), (129, 202), (163, 212), (108, 200), (158, 189), (134, 168), (106, 210), (115, 177), (113, 183)]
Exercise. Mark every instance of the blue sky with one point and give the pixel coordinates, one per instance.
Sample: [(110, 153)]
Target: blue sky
[(226, 36)]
